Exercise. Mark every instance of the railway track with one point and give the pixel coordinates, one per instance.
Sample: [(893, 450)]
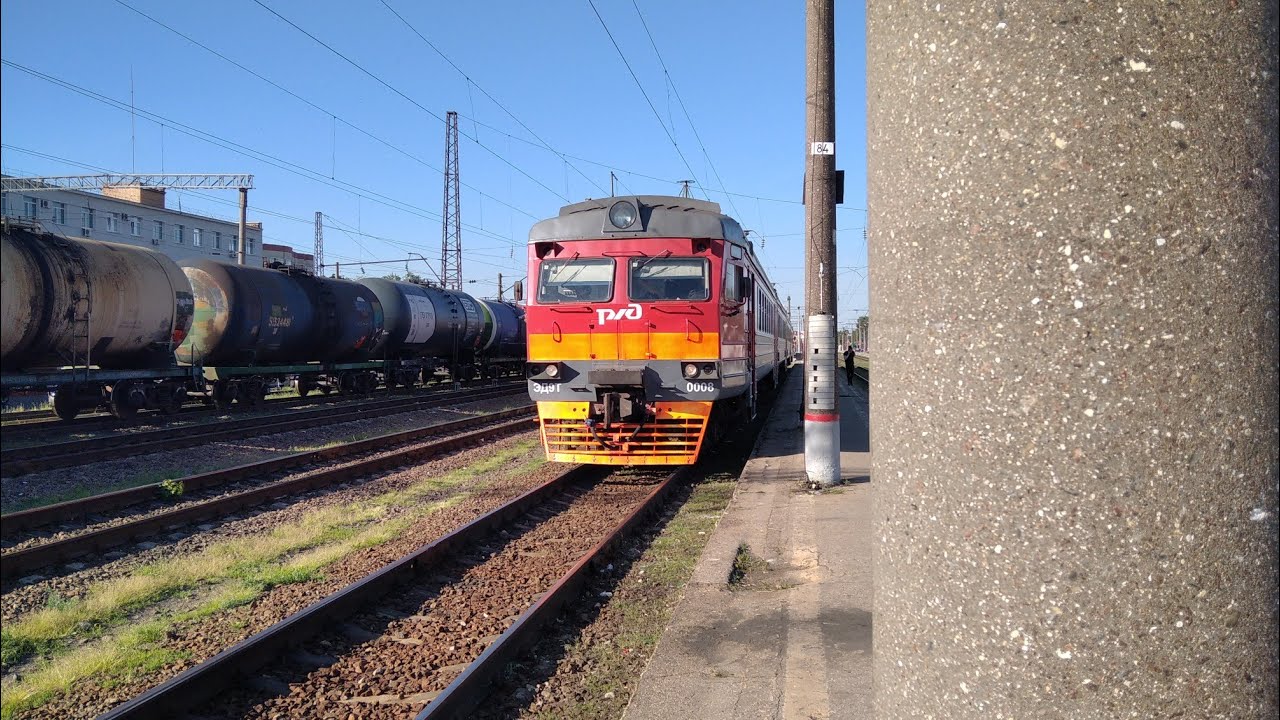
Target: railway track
[(437, 624), (223, 492), (36, 422), (19, 461)]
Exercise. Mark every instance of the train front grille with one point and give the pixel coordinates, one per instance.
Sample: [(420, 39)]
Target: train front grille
[(663, 441)]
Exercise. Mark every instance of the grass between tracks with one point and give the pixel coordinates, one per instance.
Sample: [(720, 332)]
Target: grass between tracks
[(223, 575)]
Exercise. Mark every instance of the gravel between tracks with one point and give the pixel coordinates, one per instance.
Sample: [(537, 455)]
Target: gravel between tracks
[(63, 483), (426, 633), (204, 638), (148, 509)]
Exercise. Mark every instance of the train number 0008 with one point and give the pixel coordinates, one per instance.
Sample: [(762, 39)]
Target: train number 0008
[(697, 387)]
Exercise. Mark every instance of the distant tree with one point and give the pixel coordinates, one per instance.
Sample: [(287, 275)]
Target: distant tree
[(392, 276), (413, 277)]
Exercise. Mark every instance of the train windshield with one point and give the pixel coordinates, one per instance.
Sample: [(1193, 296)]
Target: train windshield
[(578, 280), (668, 278)]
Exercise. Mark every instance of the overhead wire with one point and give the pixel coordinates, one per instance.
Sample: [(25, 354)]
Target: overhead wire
[(640, 85), (684, 109), (348, 230), (259, 155), (486, 93), (408, 99), (317, 107)]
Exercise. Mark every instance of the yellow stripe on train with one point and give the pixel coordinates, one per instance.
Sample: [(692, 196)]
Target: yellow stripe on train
[(672, 438), (694, 345)]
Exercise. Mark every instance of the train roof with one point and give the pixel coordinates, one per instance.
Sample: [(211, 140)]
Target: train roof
[(660, 216)]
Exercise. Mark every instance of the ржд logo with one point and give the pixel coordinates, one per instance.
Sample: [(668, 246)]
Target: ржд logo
[(630, 312)]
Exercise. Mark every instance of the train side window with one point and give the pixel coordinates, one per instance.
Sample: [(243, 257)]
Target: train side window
[(735, 283)]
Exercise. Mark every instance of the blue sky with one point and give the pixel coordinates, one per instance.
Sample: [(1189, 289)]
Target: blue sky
[(363, 153)]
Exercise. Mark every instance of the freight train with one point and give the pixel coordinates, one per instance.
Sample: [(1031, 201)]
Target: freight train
[(126, 328), (652, 328)]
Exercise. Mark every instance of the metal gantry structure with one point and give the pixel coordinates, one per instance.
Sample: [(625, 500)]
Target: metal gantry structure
[(451, 233), (317, 251), (152, 181), (105, 180)]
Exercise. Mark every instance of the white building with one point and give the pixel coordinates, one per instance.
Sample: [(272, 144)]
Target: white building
[(136, 216)]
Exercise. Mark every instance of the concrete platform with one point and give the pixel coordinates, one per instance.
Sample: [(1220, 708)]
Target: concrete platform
[(802, 647)]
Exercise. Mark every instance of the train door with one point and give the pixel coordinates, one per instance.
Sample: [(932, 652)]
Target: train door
[(750, 293)]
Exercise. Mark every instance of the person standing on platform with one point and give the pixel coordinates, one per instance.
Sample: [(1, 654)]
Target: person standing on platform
[(849, 357)]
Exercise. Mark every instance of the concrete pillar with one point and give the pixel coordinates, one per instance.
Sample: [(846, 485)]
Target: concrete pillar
[(1073, 275)]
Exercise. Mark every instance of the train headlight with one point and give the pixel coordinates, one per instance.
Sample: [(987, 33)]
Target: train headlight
[(533, 370), (623, 215), (552, 371), (690, 371)]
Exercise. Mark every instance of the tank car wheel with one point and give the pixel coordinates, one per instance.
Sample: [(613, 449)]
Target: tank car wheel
[(254, 392), (304, 386), (346, 384), (172, 405), (120, 403), (223, 395), (65, 403)]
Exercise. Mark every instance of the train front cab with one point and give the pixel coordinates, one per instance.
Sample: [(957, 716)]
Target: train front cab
[(632, 347)]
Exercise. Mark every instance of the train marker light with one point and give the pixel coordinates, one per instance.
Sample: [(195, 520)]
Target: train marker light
[(691, 370), (552, 371), (623, 215)]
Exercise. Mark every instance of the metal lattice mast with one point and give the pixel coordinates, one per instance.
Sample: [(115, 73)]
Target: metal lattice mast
[(451, 235), (317, 252)]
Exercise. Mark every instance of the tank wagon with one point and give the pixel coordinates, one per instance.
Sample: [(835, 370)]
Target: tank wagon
[(652, 326), (126, 328), (428, 328), (253, 325), (97, 320)]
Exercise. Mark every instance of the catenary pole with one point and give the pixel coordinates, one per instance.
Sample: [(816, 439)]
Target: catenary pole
[(821, 413), (243, 225)]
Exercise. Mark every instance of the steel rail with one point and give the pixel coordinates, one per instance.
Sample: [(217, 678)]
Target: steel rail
[(13, 564), (29, 421), (19, 461), (202, 682), (467, 690), (18, 522)]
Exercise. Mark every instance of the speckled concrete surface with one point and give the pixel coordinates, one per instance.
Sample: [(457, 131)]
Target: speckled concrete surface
[(1073, 283)]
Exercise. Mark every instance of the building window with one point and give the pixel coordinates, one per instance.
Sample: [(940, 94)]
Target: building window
[(135, 226), (28, 206), (60, 213), (217, 240), (87, 218), (249, 248), (112, 219), (196, 240), (157, 232), (177, 233)]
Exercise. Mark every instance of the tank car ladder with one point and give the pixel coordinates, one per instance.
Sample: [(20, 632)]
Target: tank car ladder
[(82, 281)]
